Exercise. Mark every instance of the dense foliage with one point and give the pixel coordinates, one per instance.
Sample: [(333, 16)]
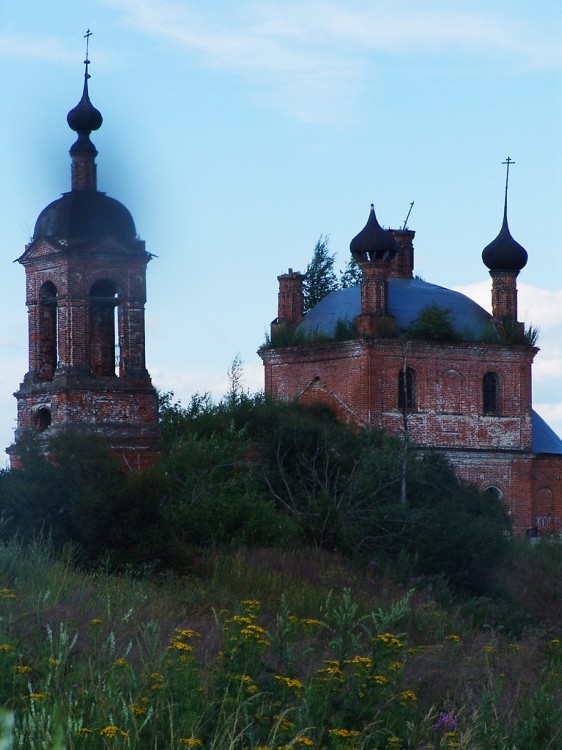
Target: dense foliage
[(249, 471)]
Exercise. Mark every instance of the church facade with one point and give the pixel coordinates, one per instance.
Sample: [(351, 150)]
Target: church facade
[(85, 273), (411, 357)]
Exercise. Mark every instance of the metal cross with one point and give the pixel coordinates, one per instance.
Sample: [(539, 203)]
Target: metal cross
[(87, 36), (507, 162)]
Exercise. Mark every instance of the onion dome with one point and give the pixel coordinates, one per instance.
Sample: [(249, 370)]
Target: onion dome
[(83, 215), (83, 119), (373, 242), (504, 253)]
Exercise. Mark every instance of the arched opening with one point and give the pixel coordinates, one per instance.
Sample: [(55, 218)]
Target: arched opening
[(42, 419), (494, 492), (48, 328), (104, 325), (491, 393), (407, 389)]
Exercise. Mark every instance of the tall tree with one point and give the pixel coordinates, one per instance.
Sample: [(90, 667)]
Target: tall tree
[(351, 275), (320, 277)]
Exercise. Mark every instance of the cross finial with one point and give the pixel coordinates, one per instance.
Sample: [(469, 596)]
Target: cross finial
[(508, 162), (87, 36)]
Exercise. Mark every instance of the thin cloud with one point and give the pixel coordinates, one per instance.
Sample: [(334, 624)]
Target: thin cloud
[(25, 46), (540, 307), (315, 57)]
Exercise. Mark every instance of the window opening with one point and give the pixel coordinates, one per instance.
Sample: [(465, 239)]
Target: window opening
[(407, 389), (42, 419), (48, 331), (104, 324), (490, 393)]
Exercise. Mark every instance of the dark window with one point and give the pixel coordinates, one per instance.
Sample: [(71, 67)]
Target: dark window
[(104, 300), (42, 419), (407, 389), (494, 492), (48, 324), (491, 393)]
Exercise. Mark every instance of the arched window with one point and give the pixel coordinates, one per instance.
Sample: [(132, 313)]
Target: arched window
[(42, 419), (407, 389), (491, 393), (104, 301), (48, 324), (494, 492)]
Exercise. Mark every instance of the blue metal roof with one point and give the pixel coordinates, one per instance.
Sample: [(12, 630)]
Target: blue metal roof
[(545, 440), (406, 299)]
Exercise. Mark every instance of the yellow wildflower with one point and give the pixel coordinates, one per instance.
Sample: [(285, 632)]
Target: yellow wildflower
[(187, 633), (6, 647), (343, 733), (489, 649), (453, 638), (22, 668), (112, 731), (389, 640), (120, 662), (408, 695), (37, 697), (380, 679), (395, 666), (5, 593), (305, 741), (290, 682), (181, 646), (361, 661), (190, 742), (96, 621)]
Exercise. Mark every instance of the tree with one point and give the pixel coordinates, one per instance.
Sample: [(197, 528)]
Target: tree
[(320, 277), (351, 276)]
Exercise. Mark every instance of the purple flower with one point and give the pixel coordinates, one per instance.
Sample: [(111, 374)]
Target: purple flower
[(446, 722)]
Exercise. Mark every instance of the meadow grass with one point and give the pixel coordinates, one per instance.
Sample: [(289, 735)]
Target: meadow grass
[(262, 649)]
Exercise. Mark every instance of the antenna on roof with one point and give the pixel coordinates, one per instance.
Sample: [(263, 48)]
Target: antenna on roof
[(405, 225)]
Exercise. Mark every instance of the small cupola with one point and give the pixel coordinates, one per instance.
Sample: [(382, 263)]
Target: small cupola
[(504, 253), (373, 242)]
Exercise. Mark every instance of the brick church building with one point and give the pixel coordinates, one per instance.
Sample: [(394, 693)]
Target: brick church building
[(85, 273), (362, 351)]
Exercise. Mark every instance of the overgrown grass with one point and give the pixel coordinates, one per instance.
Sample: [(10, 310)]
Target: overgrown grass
[(266, 649)]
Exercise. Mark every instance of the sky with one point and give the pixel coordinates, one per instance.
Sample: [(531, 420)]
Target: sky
[(238, 132)]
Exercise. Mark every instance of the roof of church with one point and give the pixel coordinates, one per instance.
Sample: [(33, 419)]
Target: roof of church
[(86, 214), (545, 440), (406, 299)]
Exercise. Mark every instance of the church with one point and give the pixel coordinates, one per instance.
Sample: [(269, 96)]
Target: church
[(398, 353), (85, 271)]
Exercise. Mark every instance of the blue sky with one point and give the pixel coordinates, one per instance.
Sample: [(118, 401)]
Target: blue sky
[(238, 132)]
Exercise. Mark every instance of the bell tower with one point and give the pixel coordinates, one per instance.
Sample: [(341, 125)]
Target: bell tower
[(85, 273)]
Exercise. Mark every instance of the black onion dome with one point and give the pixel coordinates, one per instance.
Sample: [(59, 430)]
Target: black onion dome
[(84, 117), (373, 242), (504, 253), (85, 214)]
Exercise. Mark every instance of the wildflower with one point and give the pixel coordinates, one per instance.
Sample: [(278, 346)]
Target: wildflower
[(85, 731), (112, 731), (251, 603), (389, 640), (346, 733), (489, 649), (6, 647), (181, 646), (514, 647), (187, 633), (7, 594), (393, 742), (361, 661), (395, 666), (96, 621), (446, 722), (380, 679), (239, 620), (284, 723), (408, 695), (22, 668), (37, 697), (304, 741), (453, 638), (290, 682), (120, 662), (53, 662), (190, 742), (310, 621)]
